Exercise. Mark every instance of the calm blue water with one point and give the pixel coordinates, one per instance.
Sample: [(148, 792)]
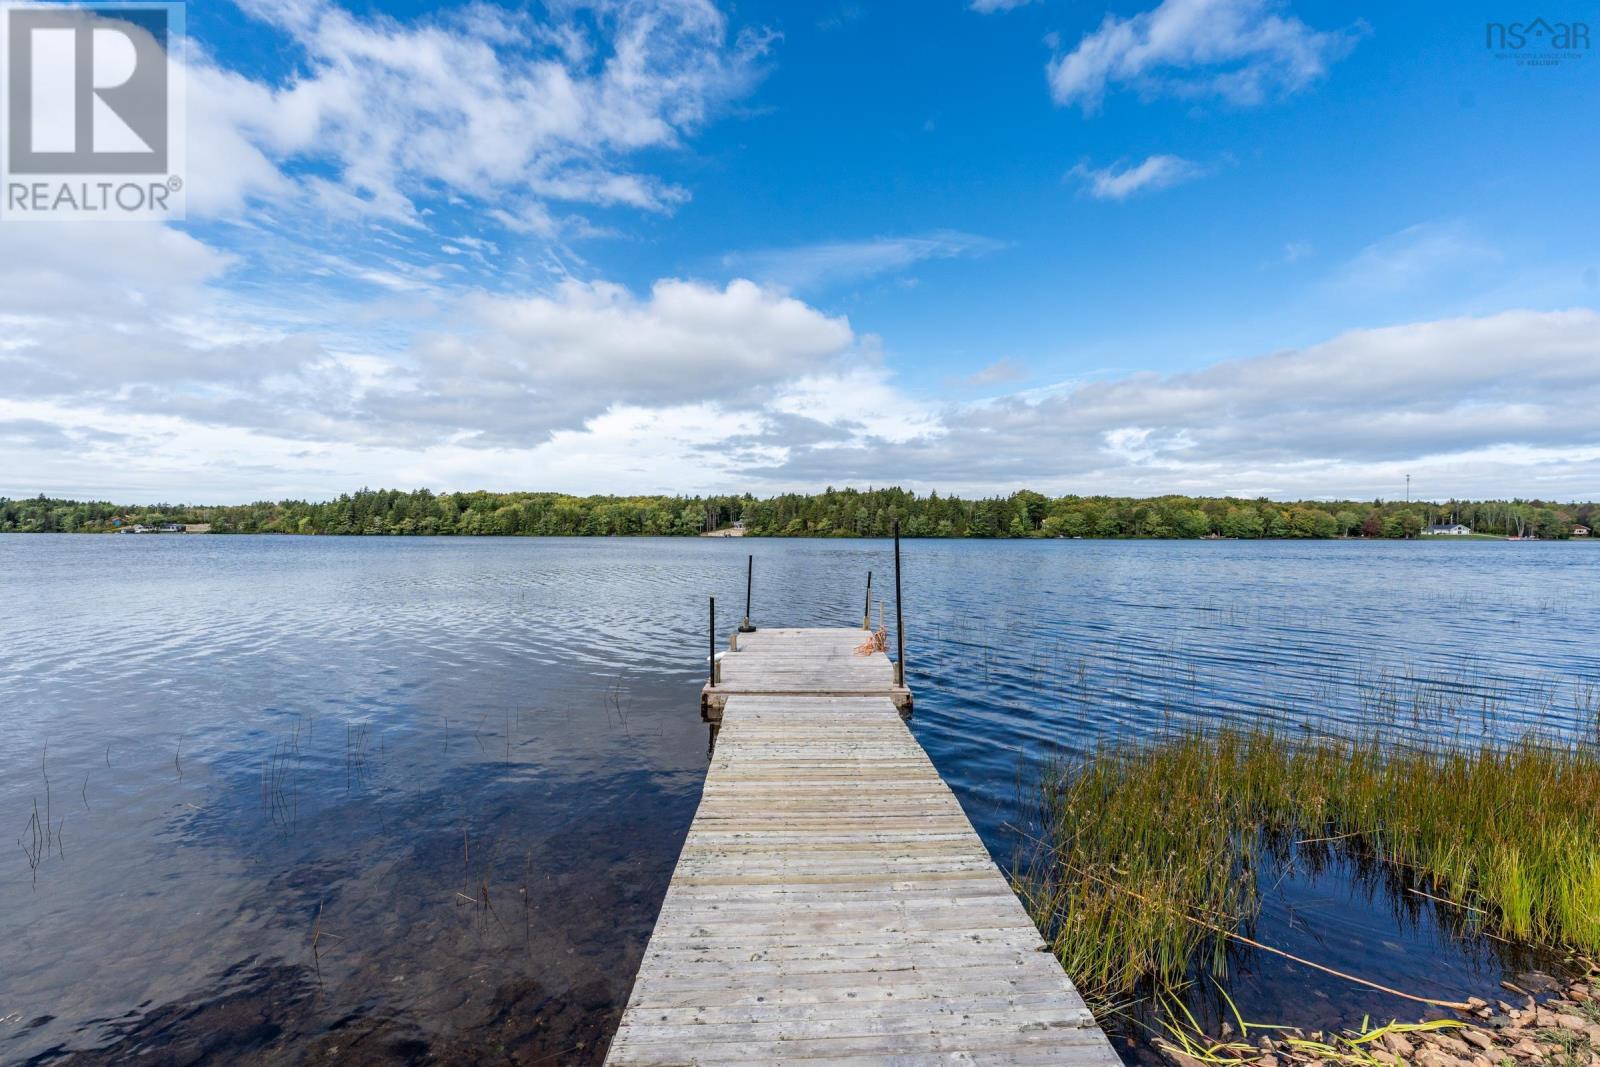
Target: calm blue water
[(407, 799)]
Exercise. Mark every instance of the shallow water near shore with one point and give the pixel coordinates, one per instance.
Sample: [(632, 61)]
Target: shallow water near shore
[(414, 800)]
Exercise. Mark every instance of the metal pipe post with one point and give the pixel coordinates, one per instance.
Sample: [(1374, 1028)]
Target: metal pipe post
[(749, 579), (899, 615)]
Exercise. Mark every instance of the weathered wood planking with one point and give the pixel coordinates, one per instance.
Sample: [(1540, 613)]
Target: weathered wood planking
[(812, 662), (832, 901)]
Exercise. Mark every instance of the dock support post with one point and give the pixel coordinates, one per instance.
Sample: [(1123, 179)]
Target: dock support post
[(749, 578), (899, 616), (711, 664), (866, 609)]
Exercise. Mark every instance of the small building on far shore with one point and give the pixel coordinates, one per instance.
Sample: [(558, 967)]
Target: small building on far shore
[(166, 528), (1452, 529), (1581, 531)]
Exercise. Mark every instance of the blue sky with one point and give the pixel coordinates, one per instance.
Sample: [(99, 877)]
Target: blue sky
[(1296, 250)]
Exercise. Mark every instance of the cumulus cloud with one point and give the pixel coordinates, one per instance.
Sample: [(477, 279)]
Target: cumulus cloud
[(508, 368), (1240, 51), (1120, 181), (43, 435), (697, 387), (485, 102), (1491, 405), (525, 367), (100, 309)]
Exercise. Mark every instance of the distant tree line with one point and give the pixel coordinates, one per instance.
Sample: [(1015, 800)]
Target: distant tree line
[(833, 513)]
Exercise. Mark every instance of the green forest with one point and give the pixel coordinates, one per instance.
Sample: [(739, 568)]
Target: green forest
[(833, 513)]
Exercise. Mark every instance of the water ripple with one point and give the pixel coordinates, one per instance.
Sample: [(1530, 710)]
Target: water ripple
[(478, 757)]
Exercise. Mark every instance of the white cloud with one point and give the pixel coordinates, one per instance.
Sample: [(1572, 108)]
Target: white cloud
[(1119, 181), (135, 321), (518, 368), (488, 103), (1414, 255), (1240, 51), (313, 332), (831, 262), (693, 387), (1497, 405), (52, 270), (862, 399), (989, 7)]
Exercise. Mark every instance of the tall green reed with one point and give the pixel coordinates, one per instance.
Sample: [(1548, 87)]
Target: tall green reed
[(1149, 855)]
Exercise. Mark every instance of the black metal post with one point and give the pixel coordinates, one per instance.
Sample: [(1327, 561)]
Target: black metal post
[(711, 664), (899, 615), (866, 609), (749, 578)]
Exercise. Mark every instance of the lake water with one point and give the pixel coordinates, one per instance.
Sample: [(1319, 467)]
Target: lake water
[(400, 800)]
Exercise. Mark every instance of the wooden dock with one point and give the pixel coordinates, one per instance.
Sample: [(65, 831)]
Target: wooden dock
[(801, 663), (832, 901)]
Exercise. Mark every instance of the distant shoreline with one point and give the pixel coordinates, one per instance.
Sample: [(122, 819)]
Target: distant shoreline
[(843, 513), (724, 535)]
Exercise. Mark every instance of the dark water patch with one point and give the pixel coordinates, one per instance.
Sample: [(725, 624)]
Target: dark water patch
[(1355, 916)]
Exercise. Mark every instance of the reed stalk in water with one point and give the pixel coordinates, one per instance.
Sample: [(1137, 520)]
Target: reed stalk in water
[(1149, 856)]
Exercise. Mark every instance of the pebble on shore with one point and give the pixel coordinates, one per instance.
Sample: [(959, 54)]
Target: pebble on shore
[(1561, 1031)]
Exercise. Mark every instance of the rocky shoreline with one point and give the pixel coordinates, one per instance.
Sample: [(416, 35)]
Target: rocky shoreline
[(1549, 1022)]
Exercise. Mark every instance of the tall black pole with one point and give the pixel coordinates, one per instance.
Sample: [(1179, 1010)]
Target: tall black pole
[(866, 610), (711, 664), (899, 614), (749, 578)]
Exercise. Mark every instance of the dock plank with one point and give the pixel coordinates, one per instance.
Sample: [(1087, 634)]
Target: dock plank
[(832, 901), (803, 662)]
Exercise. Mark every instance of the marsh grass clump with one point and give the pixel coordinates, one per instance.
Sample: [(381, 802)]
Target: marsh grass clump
[(1149, 857)]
